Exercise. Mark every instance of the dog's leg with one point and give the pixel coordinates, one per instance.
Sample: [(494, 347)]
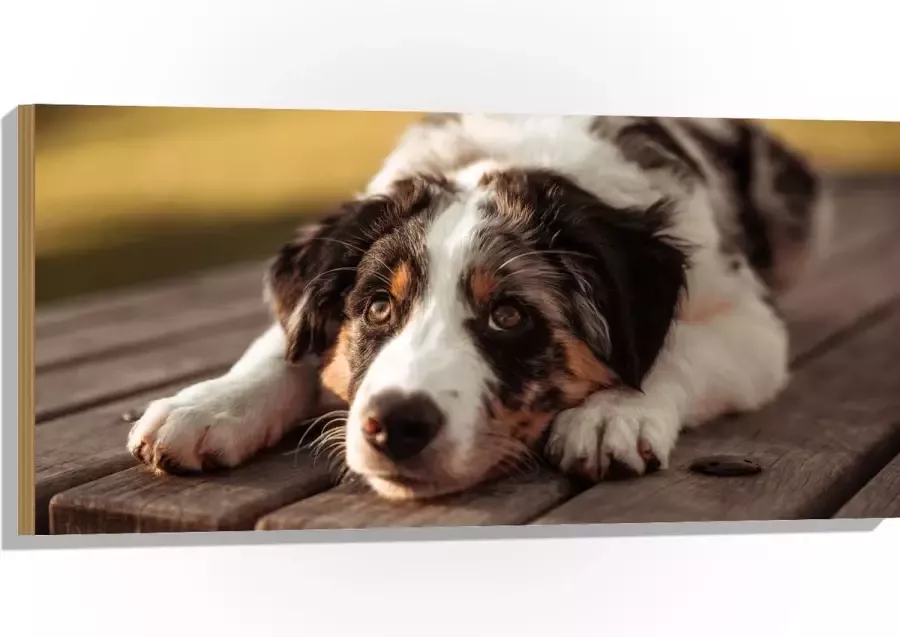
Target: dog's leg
[(225, 420), (732, 359)]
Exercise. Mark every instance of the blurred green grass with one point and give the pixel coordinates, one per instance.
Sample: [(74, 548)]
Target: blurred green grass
[(127, 195)]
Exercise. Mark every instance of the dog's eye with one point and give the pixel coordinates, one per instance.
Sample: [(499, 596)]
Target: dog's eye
[(506, 316), (379, 310)]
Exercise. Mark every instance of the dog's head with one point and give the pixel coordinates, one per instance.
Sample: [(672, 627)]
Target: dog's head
[(457, 322)]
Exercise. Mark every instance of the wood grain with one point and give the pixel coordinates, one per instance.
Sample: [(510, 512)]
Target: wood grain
[(827, 305), (62, 391), (147, 301), (509, 501), (25, 293), (84, 446), (137, 501), (880, 498), (864, 213), (106, 338), (827, 434)]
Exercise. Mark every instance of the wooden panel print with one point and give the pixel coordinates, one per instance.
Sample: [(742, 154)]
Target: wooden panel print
[(150, 233)]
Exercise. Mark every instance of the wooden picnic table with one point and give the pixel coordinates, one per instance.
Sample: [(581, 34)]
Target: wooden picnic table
[(828, 447)]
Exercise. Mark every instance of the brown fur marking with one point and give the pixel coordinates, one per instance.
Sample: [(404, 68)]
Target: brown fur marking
[(584, 369), (482, 284), (523, 424), (336, 371), (400, 281)]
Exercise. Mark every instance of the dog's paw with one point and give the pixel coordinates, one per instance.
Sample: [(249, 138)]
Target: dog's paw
[(612, 433), (199, 429)]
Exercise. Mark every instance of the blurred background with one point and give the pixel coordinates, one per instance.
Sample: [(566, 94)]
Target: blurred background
[(129, 195)]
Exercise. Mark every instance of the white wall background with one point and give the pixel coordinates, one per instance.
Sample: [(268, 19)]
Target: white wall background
[(800, 59)]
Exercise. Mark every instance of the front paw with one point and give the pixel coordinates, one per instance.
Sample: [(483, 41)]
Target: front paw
[(199, 429), (613, 431)]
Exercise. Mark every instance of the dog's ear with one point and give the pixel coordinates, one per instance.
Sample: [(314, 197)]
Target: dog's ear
[(307, 282), (627, 276)]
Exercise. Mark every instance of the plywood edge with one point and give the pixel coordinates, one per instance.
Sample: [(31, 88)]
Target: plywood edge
[(26, 458)]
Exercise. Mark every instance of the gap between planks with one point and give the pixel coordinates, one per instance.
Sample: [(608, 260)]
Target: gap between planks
[(85, 446), (64, 391), (880, 498), (167, 313), (136, 501), (146, 300)]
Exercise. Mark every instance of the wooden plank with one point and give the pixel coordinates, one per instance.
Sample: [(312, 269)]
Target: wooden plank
[(150, 300), (108, 338), (85, 446), (136, 501), (826, 306), (513, 500), (880, 498), (862, 215), (834, 426), (62, 391)]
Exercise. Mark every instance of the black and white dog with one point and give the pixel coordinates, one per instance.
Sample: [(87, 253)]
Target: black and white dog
[(506, 285)]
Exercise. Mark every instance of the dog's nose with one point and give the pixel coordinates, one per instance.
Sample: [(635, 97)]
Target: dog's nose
[(401, 425)]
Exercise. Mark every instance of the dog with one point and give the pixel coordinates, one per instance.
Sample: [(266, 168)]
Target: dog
[(579, 288)]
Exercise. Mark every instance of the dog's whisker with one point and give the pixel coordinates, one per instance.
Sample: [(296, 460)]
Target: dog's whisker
[(340, 419), (513, 454), (335, 460), (332, 434), (300, 444), (381, 262), (316, 446), (336, 412), (362, 251), (311, 424), (335, 447), (328, 448), (347, 245), (512, 462), (325, 444), (321, 274), (542, 252), (358, 249)]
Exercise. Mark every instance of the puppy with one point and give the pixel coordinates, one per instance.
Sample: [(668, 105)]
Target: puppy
[(580, 287)]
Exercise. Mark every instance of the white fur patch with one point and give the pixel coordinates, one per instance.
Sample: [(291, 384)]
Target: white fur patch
[(433, 353), (735, 361), (229, 418)]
